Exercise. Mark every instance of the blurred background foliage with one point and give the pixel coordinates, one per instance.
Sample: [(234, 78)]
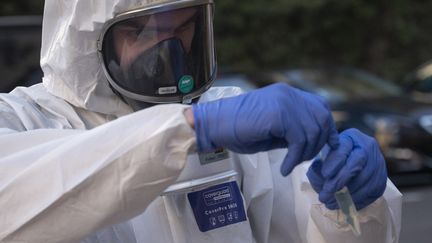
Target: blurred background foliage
[(389, 38), (21, 7)]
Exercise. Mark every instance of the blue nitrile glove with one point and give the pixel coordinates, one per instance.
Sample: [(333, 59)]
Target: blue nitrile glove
[(357, 163), (276, 116)]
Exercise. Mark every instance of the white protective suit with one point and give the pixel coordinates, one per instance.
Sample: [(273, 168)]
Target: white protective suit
[(77, 165)]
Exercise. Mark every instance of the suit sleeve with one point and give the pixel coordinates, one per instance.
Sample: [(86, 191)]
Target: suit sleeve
[(59, 185)]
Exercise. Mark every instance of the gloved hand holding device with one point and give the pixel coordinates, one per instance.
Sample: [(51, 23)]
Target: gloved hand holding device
[(276, 116), (357, 163)]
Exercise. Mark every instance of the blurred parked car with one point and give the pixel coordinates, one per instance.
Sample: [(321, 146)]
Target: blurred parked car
[(20, 44), (235, 79), (401, 125), (419, 82)]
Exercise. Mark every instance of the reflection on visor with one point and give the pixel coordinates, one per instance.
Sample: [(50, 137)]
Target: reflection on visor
[(167, 54)]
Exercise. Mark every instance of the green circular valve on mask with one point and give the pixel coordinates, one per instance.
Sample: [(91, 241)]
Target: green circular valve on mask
[(186, 84)]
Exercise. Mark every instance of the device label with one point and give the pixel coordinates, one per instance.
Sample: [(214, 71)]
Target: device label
[(167, 90), (217, 206), (186, 84), (207, 158)]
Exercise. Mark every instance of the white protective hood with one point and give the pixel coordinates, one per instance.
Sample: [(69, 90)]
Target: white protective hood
[(69, 57)]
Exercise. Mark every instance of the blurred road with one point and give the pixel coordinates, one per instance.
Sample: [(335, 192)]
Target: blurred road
[(416, 215)]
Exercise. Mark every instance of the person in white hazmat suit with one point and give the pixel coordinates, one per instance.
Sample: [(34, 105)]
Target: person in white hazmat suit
[(114, 145)]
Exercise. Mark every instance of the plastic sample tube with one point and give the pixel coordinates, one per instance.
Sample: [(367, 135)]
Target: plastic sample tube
[(346, 205), (344, 201)]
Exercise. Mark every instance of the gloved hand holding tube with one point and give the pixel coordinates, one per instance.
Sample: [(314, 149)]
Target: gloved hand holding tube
[(276, 116), (356, 164)]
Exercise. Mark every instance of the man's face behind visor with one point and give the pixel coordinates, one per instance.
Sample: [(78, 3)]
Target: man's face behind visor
[(133, 37), (160, 57)]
